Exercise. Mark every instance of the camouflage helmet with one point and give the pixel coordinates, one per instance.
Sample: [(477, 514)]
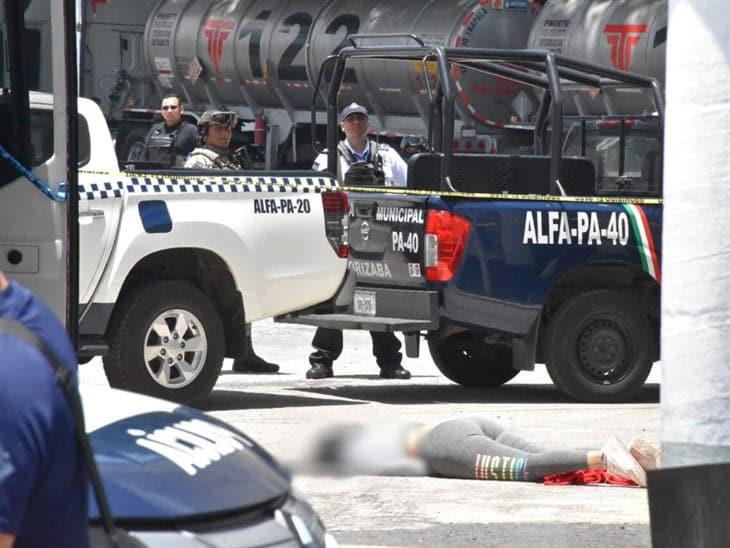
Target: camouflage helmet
[(218, 117)]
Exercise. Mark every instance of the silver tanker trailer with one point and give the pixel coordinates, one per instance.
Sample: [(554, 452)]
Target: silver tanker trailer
[(262, 58), (628, 35)]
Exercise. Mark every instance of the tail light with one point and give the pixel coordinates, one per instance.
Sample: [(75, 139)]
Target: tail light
[(336, 220), (445, 241)]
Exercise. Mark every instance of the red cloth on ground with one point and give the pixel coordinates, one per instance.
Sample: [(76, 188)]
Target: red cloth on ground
[(587, 477)]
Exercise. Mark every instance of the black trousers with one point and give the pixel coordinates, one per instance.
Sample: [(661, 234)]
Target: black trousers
[(327, 345)]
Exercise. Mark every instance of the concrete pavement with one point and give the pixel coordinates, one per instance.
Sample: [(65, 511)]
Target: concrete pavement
[(283, 411)]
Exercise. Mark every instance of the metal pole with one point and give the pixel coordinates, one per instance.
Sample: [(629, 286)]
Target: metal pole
[(72, 209)]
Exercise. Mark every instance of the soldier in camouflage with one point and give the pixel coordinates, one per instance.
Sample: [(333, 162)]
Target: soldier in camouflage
[(215, 128)]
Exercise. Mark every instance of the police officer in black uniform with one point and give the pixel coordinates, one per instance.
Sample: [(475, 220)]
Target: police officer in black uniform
[(169, 142)]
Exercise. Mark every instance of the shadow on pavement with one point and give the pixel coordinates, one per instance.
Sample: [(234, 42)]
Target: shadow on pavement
[(227, 400), (369, 377), (229, 372), (406, 393), (514, 535)]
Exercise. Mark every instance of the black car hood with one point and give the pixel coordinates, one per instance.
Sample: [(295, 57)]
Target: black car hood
[(161, 461)]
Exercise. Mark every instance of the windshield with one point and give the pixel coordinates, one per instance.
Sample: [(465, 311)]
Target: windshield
[(627, 160)]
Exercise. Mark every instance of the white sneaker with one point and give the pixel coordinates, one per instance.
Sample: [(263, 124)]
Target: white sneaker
[(620, 462), (648, 456)]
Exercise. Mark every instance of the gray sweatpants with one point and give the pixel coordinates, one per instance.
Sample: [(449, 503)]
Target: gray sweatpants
[(477, 448)]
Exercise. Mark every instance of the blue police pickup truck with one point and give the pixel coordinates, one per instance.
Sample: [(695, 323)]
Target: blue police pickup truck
[(548, 254)]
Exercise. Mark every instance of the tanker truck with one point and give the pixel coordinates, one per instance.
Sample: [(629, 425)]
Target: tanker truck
[(262, 58)]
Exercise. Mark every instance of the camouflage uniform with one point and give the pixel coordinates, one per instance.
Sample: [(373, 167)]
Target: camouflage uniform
[(210, 157), (206, 157)]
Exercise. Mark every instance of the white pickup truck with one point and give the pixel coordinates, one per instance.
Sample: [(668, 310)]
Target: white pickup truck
[(173, 263)]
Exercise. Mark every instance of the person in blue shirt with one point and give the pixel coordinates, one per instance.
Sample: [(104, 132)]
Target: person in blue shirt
[(43, 489)]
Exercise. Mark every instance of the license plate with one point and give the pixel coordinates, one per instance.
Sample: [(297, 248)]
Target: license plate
[(364, 302)]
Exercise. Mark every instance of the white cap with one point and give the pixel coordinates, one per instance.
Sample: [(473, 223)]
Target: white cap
[(353, 108)]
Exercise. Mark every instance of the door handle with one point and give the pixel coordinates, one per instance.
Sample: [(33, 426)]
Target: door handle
[(90, 215)]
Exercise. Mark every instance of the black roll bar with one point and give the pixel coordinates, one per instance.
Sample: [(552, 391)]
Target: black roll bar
[(436, 122), (506, 71), (556, 142), (427, 77), (571, 74), (313, 129), (432, 98), (541, 122), (335, 83), (447, 130), (521, 66), (659, 102)]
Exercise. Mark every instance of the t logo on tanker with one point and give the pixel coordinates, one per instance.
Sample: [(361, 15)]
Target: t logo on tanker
[(216, 31), (623, 39)]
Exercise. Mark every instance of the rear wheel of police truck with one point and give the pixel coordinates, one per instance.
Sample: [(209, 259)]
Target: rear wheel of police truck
[(599, 347), (467, 359), (166, 340)]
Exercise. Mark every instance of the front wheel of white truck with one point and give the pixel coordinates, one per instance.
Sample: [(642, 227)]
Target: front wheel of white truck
[(166, 340)]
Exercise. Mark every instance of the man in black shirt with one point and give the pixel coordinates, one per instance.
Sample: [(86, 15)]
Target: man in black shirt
[(168, 143)]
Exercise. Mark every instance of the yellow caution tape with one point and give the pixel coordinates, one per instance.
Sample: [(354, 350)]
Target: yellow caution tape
[(511, 197), (276, 180)]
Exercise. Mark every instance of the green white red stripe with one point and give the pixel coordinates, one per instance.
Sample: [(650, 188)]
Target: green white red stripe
[(644, 240)]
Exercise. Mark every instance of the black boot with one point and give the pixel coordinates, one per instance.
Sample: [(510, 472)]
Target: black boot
[(319, 371), (397, 372), (254, 363), (251, 362)]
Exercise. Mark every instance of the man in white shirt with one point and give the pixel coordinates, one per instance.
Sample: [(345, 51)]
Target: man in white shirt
[(375, 164)]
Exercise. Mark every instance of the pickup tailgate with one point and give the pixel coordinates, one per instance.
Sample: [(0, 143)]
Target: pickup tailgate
[(386, 288), (386, 239)]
